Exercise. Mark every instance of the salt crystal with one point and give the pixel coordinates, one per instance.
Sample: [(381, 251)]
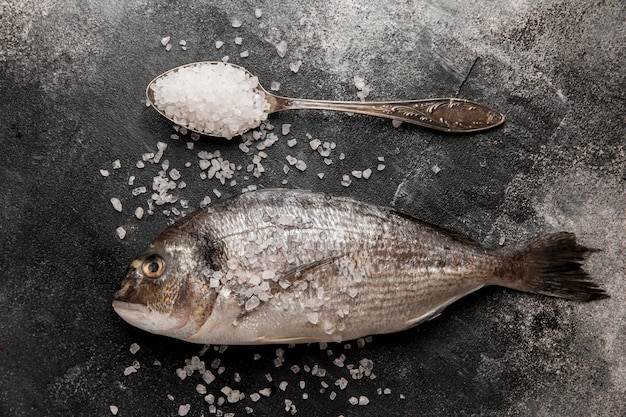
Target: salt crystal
[(131, 180), (292, 142), (283, 385), (502, 239), (357, 174), (183, 409), (295, 66), (182, 42), (238, 40), (305, 396), (208, 376), (165, 40), (295, 369), (104, 173), (320, 175), (140, 164), (328, 161), (332, 395), (313, 317), (255, 397), (134, 348), (342, 383), (129, 370), (301, 165), (387, 391), (342, 156), (353, 400), (363, 400), (139, 190), (274, 86), (285, 128), (258, 13), (217, 193), (252, 303), (168, 47), (396, 123), (291, 160), (315, 143), (244, 54), (436, 169), (201, 389), (175, 174), (121, 232), (117, 204), (236, 22), (380, 167), (281, 48), (113, 409), (266, 392)]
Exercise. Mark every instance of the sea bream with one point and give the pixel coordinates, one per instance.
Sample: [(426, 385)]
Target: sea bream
[(290, 266)]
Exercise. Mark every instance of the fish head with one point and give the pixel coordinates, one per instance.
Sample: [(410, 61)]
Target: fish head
[(163, 291)]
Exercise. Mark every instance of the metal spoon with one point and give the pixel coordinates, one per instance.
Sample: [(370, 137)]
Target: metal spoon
[(452, 115)]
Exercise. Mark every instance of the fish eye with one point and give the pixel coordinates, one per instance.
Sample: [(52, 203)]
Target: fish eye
[(153, 266)]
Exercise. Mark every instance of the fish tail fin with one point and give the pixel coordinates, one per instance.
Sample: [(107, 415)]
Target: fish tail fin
[(551, 266)]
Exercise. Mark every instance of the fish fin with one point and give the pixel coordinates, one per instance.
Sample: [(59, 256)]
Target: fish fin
[(276, 340), (297, 271), (436, 312), (551, 266)]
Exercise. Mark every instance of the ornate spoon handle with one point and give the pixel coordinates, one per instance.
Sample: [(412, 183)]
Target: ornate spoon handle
[(444, 114)]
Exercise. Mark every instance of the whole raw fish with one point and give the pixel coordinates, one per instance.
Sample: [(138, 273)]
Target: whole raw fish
[(288, 266)]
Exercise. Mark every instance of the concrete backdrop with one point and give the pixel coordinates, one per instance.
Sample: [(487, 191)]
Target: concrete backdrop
[(72, 80)]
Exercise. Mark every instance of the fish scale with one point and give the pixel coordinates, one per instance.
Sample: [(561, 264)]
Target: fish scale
[(292, 266)]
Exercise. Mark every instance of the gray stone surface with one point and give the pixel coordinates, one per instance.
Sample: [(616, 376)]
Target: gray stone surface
[(72, 80)]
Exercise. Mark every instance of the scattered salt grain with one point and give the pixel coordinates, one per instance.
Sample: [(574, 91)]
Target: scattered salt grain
[(301, 165), (342, 156), (502, 239), (396, 123), (255, 396), (274, 86), (238, 40), (315, 143), (140, 164), (320, 175), (117, 204), (436, 169), (183, 409), (367, 173), (129, 370), (380, 167), (387, 391), (266, 392), (285, 128), (402, 397), (217, 193), (244, 54), (134, 348), (113, 409), (236, 23), (168, 47), (332, 395), (116, 164), (353, 400), (104, 173), (201, 389), (121, 232), (281, 48), (292, 142), (357, 174), (218, 44), (363, 400), (258, 13), (295, 66), (283, 385), (165, 40)]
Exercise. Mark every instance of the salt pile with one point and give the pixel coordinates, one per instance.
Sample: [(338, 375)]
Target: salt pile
[(213, 98)]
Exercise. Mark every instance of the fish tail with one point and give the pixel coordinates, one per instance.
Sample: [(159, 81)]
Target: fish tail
[(551, 266)]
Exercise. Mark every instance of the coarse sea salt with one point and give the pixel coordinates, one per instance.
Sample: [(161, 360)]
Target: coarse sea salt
[(213, 98)]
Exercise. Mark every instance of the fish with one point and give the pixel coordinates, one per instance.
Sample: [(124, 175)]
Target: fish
[(280, 266)]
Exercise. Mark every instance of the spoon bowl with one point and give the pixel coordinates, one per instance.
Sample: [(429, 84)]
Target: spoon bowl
[(452, 115)]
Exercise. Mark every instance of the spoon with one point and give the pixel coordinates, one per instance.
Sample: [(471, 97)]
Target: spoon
[(452, 115)]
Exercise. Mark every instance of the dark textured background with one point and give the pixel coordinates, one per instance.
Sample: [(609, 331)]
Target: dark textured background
[(72, 80)]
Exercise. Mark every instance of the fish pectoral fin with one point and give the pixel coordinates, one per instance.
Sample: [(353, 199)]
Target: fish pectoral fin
[(268, 339), (297, 271)]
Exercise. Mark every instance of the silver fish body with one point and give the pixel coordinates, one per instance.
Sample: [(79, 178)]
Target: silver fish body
[(290, 266)]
